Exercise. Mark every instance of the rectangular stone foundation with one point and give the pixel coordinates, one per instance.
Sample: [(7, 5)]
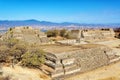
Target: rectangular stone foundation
[(67, 63)]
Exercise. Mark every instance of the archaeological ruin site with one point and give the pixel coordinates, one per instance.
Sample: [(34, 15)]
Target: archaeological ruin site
[(66, 57), (65, 60)]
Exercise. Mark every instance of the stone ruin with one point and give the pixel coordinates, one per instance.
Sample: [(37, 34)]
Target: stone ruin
[(67, 60), (92, 34), (27, 34), (67, 42)]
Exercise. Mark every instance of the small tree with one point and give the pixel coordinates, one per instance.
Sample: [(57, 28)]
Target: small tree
[(63, 32), (49, 33), (34, 58), (10, 29), (55, 33), (52, 33), (67, 35)]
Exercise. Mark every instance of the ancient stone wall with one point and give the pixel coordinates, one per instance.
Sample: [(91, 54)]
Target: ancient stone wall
[(75, 34), (97, 34), (78, 61)]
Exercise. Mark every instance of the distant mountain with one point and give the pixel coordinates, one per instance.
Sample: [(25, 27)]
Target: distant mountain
[(6, 24)]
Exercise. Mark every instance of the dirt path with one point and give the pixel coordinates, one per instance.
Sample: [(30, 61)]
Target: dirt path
[(19, 73), (111, 72)]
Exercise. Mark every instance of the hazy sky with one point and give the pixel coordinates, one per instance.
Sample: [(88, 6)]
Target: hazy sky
[(81, 11)]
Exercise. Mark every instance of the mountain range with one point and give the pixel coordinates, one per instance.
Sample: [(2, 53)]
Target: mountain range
[(32, 22)]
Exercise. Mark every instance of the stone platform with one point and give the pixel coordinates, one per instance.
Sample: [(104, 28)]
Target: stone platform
[(66, 60)]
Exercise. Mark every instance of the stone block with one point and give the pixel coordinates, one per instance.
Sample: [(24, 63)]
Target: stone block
[(68, 61)]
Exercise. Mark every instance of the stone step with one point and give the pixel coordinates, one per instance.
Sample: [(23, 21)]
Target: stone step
[(70, 71), (59, 68), (70, 66), (57, 72), (50, 64), (114, 60), (50, 57), (68, 61)]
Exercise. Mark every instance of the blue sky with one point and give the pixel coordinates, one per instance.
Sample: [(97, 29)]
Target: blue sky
[(80, 11)]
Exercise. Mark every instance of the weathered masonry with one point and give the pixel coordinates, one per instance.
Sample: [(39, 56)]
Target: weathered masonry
[(78, 59), (94, 34), (27, 34)]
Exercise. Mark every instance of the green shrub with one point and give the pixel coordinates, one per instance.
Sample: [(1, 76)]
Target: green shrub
[(63, 32), (52, 33), (34, 57)]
